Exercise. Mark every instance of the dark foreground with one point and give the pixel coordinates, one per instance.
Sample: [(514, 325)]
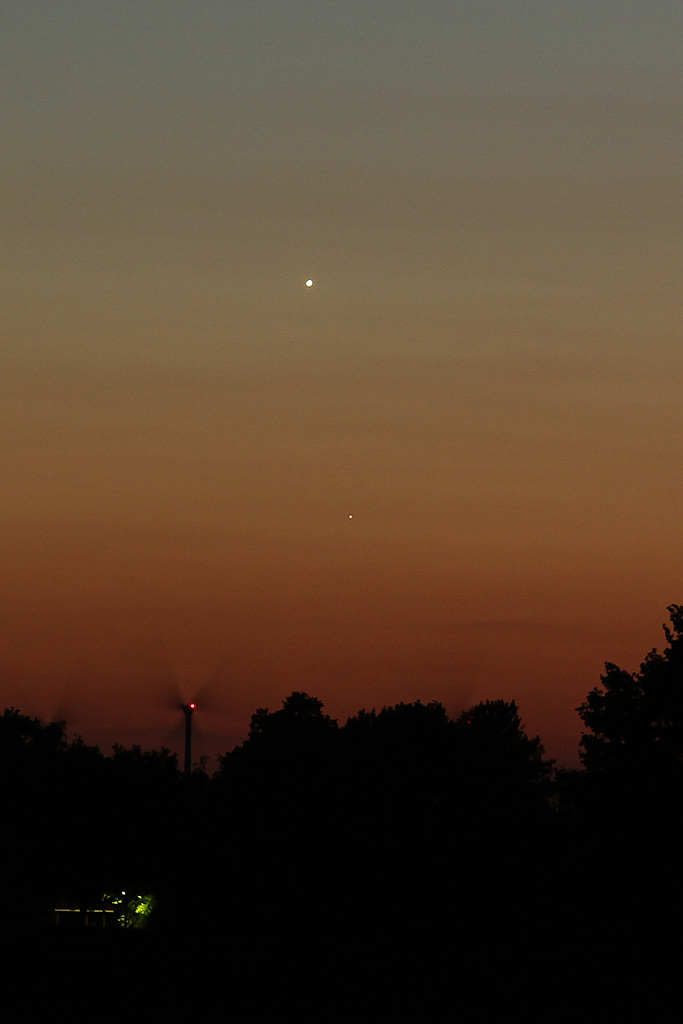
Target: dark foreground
[(562, 961)]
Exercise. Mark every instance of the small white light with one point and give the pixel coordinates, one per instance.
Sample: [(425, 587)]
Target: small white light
[(309, 283)]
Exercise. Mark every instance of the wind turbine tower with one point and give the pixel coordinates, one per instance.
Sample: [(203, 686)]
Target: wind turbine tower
[(187, 711)]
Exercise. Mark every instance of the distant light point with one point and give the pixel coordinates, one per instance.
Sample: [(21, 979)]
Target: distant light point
[(309, 283), (350, 516)]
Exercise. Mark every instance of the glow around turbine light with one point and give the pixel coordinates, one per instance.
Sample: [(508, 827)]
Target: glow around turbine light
[(309, 283)]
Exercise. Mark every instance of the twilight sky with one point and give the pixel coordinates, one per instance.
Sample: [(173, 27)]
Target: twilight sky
[(486, 372)]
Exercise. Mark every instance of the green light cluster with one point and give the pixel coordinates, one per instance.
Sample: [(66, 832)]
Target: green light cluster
[(132, 909)]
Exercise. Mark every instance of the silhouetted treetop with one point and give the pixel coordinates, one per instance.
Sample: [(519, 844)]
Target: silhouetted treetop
[(398, 742), (635, 720), (297, 738), (26, 739), (492, 733), (503, 774), (299, 712), (407, 721)]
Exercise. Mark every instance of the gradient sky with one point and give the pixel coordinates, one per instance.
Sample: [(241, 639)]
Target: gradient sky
[(486, 373)]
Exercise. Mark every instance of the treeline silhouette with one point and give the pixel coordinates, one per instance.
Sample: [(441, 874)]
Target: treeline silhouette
[(402, 866)]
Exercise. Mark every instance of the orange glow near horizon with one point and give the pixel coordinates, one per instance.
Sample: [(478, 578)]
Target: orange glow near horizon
[(488, 369)]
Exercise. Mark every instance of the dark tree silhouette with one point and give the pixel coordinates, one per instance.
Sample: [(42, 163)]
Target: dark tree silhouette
[(77, 824), (28, 745), (635, 720), (625, 812), (497, 751), (503, 784), (31, 756), (284, 748), (398, 749), (274, 801), (404, 865)]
